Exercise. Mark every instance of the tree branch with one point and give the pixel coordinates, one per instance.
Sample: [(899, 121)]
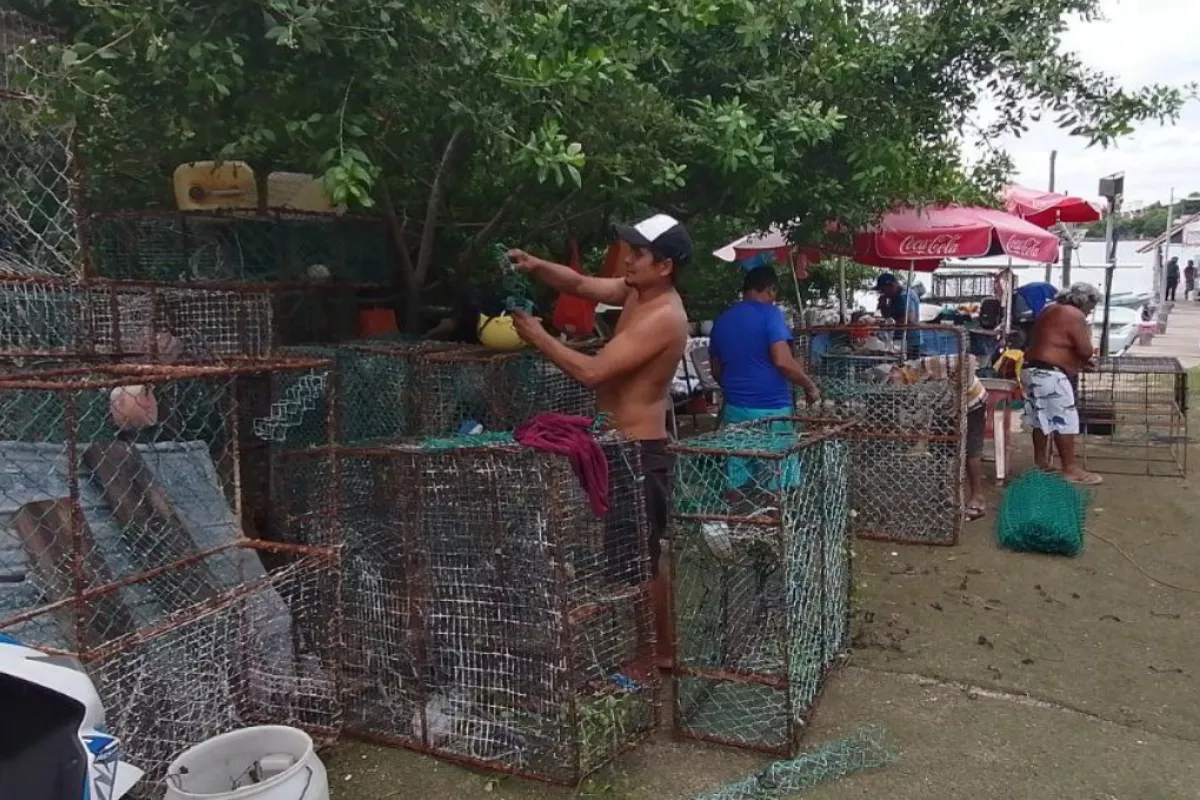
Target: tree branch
[(399, 239), (486, 233), (425, 253)]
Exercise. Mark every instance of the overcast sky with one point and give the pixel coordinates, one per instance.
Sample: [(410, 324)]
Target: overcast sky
[(1140, 42)]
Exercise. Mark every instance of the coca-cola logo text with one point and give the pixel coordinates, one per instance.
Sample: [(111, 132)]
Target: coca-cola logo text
[(1025, 246), (938, 246)]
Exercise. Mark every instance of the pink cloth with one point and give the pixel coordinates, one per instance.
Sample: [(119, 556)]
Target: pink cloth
[(571, 436)]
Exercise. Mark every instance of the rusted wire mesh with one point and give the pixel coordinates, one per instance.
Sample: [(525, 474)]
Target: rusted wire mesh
[(1134, 414), (119, 525), (52, 317), (497, 390), (492, 619), (377, 390), (242, 246), (907, 452), (761, 579), (38, 234)]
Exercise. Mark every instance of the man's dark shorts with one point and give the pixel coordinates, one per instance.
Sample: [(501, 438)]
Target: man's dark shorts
[(976, 422), (621, 535)]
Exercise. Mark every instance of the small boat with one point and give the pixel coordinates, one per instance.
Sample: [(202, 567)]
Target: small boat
[(1130, 299), (1123, 325)]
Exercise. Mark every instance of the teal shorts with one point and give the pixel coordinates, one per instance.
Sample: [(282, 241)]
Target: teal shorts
[(771, 476)]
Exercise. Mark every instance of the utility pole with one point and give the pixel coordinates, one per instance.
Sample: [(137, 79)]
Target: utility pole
[(1053, 162), (1160, 290), (1112, 189)]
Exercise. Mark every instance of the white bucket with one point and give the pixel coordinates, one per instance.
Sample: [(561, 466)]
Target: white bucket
[(269, 762)]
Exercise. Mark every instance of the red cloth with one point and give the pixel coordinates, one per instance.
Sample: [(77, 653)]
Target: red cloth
[(574, 315), (571, 436)]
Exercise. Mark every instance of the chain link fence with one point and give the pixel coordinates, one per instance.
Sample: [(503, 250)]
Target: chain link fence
[(38, 233), (250, 246), (492, 619), (56, 317), (761, 579), (120, 545), (907, 451)]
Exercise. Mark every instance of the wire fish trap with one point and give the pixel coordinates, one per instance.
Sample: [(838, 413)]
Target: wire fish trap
[(492, 619), (761, 577), (299, 399)]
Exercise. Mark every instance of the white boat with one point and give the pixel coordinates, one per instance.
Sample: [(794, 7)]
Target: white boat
[(1131, 299), (1122, 328)]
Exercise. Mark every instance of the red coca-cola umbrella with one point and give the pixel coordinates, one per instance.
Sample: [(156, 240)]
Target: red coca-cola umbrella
[(1045, 209), (921, 239)]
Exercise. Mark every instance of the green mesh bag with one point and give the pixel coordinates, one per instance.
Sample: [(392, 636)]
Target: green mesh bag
[(1042, 513)]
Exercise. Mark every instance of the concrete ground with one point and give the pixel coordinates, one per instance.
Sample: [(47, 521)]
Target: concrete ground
[(996, 675)]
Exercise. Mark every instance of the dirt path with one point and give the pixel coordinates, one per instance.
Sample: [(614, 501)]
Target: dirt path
[(996, 675)]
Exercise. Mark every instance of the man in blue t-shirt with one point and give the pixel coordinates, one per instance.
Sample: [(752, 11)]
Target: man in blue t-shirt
[(903, 307), (751, 356)]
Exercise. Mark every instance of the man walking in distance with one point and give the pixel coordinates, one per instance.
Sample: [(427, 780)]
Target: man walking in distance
[(632, 374), (1060, 348), (1172, 278)]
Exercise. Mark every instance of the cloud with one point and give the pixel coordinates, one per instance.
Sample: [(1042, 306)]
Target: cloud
[(1139, 42)]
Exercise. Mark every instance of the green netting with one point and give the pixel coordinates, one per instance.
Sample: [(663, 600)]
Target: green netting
[(761, 580), (518, 289), (866, 749), (1042, 513)]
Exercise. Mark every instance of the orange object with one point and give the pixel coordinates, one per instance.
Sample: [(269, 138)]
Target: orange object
[(574, 315), (614, 260), (376, 322)]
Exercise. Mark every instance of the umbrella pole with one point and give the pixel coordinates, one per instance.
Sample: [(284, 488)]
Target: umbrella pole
[(842, 291), (796, 283), (1008, 301), (908, 288)]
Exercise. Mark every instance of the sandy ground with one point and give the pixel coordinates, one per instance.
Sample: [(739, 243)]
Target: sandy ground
[(996, 675)]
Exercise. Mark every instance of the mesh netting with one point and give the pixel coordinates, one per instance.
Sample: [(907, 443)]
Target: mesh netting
[(497, 390), (1042, 513), (119, 527), (57, 317), (761, 579), (907, 452), (866, 749), (377, 391), (1134, 416), (491, 618), (37, 218), (246, 246)]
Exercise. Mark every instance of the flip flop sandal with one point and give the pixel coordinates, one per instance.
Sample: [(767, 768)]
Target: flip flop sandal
[(974, 513), (1090, 480)]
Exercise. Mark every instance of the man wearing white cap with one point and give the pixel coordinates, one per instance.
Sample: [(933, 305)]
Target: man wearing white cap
[(632, 373)]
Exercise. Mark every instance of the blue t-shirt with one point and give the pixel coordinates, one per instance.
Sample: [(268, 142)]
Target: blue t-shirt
[(741, 340), (906, 300)]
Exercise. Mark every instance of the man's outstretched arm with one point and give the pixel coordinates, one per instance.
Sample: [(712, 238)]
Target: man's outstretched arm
[(629, 350), (563, 279)]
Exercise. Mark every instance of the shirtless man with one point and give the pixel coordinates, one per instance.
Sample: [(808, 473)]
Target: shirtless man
[(1061, 347), (632, 374)]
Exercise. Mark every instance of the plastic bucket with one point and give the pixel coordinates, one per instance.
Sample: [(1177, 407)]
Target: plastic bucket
[(269, 762)]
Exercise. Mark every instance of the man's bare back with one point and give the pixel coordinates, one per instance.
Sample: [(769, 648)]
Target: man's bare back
[(638, 400), (1061, 337)]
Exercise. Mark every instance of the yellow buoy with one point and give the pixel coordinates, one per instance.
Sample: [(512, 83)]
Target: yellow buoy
[(498, 333)]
